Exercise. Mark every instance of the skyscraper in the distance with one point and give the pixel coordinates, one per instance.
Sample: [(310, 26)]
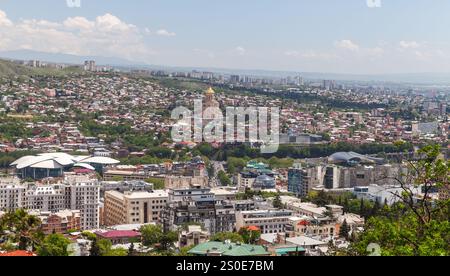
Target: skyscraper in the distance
[(89, 65)]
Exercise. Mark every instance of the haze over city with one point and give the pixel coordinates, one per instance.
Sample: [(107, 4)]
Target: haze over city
[(290, 35)]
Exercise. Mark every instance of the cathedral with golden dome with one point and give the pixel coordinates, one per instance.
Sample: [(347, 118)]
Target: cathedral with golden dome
[(210, 100), (211, 107)]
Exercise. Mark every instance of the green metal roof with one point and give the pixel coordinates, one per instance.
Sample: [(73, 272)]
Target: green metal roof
[(228, 249), (286, 250), (256, 165)]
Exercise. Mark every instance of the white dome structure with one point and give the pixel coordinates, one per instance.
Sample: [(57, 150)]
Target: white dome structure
[(54, 164), (100, 160)]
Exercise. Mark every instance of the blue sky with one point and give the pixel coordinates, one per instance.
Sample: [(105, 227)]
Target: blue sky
[(336, 36)]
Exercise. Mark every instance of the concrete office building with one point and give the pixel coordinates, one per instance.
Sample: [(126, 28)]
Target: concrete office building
[(199, 205), (268, 221), (134, 207)]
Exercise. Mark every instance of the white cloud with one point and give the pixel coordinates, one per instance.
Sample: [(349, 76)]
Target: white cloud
[(164, 32), (409, 44), (292, 53), (347, 45), (375, 52), (4, 21), (106, 35), (78, 22), (310, 54), (147, 31), (109, 22), (240, 51)]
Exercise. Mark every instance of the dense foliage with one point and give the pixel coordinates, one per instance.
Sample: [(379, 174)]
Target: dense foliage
[(414, 226), (227, 236), (244, 151)]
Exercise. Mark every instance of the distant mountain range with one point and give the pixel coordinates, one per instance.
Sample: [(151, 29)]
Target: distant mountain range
[(8, 68), (412, 78), (11, 69), (65, 58)]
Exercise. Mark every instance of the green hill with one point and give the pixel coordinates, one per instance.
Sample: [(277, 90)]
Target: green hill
[(9, 69)]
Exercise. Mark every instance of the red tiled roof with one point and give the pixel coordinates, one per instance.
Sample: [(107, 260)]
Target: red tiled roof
[(119, 234), (18, 253), (304, 223), (82, 171), (253, 228)]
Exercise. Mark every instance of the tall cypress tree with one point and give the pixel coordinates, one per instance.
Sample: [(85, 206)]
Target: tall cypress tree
[(362, 210), (375, 209), (344, 230), (95, 249)]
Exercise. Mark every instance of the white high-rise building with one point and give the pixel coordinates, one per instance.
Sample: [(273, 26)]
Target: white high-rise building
[(83, 196), (12, 196), (89, 65)]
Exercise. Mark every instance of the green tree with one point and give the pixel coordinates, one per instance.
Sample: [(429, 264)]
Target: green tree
[(154, 235), (158, 183), (205, 149), (151, 234), (344, 230), (117, 252), (224, 236), (277, 203), (54, 245), (88, 235), (414, 226), (95, 248), (362, 209), (250, 236), (23, 228), (321, 199), (375, 209), (168, 239), (131, 251), (103, 247), (224, 179), (183, 252), (346, 205)]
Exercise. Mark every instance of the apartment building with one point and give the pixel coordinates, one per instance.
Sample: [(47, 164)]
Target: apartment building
[(86, 198), (69, 195), (246, 179), (179, 182), (199, 205), (299, 181), (49, 198), (193, 235), (12, 196), (269, 221), (59, 222), (224, 193), (134, 207)]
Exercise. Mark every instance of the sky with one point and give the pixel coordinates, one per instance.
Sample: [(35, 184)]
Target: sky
[(329, 36)]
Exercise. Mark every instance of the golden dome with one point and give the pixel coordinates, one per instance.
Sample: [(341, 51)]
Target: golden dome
[(210, 91)]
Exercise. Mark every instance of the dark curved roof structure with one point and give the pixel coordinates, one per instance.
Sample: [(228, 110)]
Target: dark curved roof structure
[(353, 158)]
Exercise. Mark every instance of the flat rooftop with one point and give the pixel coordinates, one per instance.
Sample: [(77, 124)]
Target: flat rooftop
[(139, 194)]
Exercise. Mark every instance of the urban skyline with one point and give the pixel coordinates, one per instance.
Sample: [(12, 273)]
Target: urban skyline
[(303, 36)]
